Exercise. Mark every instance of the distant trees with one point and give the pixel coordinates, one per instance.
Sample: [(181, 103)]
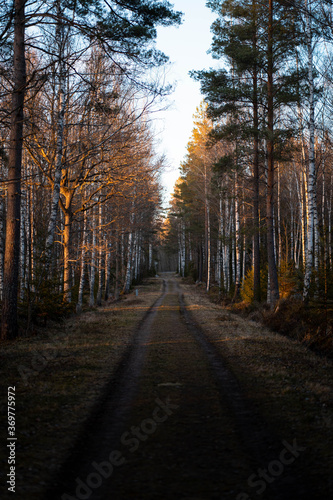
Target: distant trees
[(83, 132)]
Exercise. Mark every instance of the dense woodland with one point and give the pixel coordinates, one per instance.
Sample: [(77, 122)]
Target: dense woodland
[(80, 191), (251, 213)]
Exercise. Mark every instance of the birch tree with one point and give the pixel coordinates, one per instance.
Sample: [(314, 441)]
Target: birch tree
[(312, 221)]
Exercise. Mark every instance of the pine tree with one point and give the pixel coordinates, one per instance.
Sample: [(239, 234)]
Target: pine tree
[(257, 50), (9, 325)]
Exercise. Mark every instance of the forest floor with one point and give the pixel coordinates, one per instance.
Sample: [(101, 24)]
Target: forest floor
[(169, 396)]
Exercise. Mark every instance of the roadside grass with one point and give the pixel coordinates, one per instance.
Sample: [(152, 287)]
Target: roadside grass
[(290, 385), (311, 324), (59, 374)]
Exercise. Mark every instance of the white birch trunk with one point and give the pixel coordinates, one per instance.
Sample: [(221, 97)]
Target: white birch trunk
[(83, 265), (182, 249), (311, 227), (292, 228), (232, 244), (139, 254), (118, 237), (127, 283), (100, 255), (108, 255), (60, 34), (136, 255), (122, 254), (22, 247), (150, 257), (279, 252), (208, 246), (226, 248), (237, 241), (32, 238), (128, 275), (304, 224), (219, 243), (93, 263), (190, 255)]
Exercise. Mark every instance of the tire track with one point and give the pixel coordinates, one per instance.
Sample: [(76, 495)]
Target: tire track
[(108, 419), (215, 422), (255, 434)]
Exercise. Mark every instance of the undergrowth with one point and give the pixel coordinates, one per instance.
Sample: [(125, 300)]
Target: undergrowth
[(310, 324)]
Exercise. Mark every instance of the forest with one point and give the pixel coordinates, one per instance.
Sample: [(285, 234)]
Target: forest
[(166, 353), (251, 214), (80, 204), (80, 190)]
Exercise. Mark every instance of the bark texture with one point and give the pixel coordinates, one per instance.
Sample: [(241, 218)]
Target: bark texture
[(9, 325)]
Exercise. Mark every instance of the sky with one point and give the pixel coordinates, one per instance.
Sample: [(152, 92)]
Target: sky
[(186, 46)]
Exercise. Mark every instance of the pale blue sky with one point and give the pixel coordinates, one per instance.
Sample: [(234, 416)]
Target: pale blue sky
[(187, 48)]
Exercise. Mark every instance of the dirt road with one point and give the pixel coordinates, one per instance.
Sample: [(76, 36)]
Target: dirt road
[(175, 423)]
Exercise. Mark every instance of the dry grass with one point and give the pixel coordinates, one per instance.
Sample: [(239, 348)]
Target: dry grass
[(291, 385), (311, 324), (59, 374)]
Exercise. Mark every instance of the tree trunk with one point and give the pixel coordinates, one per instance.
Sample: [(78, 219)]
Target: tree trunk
[(2, 247), (200, 263), (128, 275), (22, 248), (237, 242), (122, 256), (273, 278), (93, 263), (256, 221), (302, 211), (208, 246), (219, 244), (31, 239), (117, 259), (232, 246), (182, 249), (225, 246), (311, 184), (292, 227), (60, 139), (279, 252), (67, 265), (329, 236), (83, 264), (107, 270), (139, 254), (136, 255), (150, 257), (100, 256), (9, 325)]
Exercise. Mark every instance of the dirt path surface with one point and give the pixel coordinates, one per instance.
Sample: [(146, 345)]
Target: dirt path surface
[(182, 417)]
